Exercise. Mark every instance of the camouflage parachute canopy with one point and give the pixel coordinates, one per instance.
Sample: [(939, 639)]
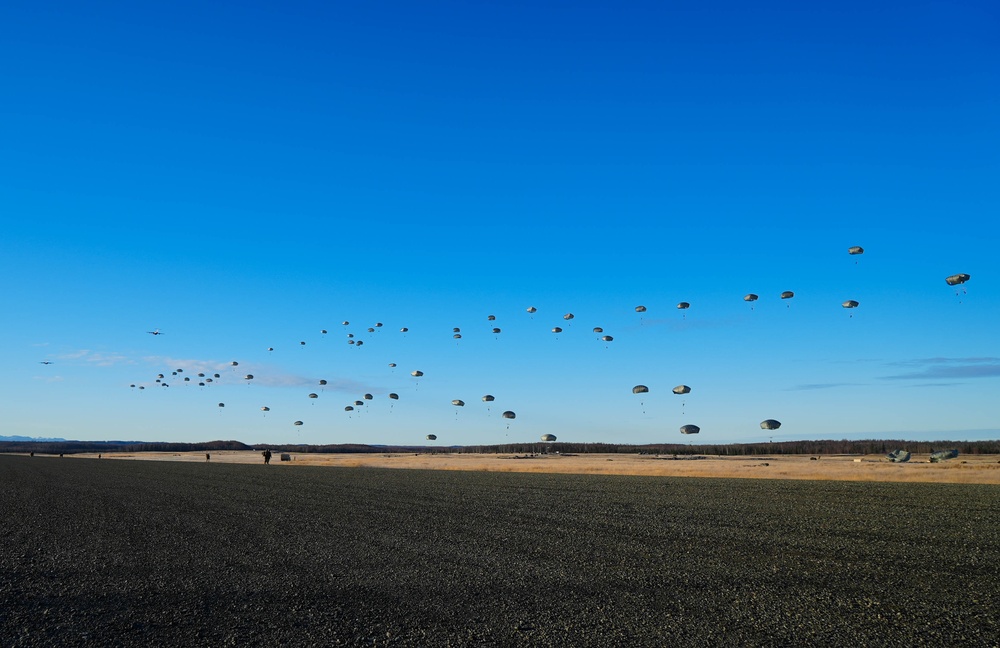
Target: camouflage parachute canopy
[(855, 249), (898, 456), (682, 389), (690, 429), (770, 424), (548, 438), (640, 389), (957, 279)]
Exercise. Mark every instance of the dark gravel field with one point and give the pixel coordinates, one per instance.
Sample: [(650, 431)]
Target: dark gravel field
[(98, 552)]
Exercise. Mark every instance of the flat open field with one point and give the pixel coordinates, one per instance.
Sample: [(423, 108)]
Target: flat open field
[(196, 553), (971, 469)]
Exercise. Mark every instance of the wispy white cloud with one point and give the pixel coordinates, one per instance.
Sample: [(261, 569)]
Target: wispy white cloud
[(943, 368), (263, 375), (99, 358)]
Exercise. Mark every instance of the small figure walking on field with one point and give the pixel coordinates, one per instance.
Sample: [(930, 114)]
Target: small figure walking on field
[(208, 456), (267, 456)]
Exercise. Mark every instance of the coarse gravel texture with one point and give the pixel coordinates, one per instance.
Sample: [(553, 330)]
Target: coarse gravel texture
[(98, 552)]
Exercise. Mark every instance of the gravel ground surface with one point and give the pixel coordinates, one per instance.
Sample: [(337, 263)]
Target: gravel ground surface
[(98, 552)]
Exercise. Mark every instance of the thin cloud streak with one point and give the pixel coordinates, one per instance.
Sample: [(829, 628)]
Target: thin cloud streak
[(941, 368)]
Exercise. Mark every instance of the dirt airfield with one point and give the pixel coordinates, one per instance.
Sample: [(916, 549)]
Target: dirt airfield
[(970, 469)]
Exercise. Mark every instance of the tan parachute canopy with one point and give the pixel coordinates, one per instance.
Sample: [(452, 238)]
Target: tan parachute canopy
[(640, 389), (750, 297), (532, 309), (690, 429), (568, 316), (855, 249), (640, 309), (458, 403), (770, 424), (956, 279), (416, 374), (682, 389), (548, 438), (850, 303)]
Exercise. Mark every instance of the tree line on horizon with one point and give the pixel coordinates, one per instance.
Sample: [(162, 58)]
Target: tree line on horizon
[(806, 447)]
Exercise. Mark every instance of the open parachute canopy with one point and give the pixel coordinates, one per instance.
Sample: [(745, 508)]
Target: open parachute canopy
[(770, 424)]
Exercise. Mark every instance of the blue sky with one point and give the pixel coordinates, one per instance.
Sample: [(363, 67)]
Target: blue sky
[(243, 176)]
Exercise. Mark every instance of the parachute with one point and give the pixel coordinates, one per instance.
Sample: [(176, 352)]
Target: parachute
[(598, 329), (898, 456), (456, 330), (371, 329), (368, 397), (394, 396), (568, 316), (323, 331), (532, 309), (432, 437), (788, 294), (488, 398), (297, 423), (403, 330), (457, 336), (750, 297), (234, 363), (392, 364), (348, 409), (458, 403), (943, 455), (222, 404), (957, 279), (248, 377), (690, 429), (770, 424), (322, 382), (640, 309), (496, 330), (314, 395), (607, 338), (416, 374), (556, 329), (682, 389), (378, 324), (509, 415), (683, 305), (265, 409), (640, 389), (548, 438), (491, 318), (345, 322), (359, 403), (855, 249), (850, 303)]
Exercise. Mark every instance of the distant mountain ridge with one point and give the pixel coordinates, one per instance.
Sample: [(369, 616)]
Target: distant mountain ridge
[(24, 438)]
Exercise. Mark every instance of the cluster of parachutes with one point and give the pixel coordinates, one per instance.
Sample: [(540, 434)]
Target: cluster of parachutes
[(203, 379)]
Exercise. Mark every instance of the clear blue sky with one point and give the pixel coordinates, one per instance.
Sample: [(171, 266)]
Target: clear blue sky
[(243, 175)]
